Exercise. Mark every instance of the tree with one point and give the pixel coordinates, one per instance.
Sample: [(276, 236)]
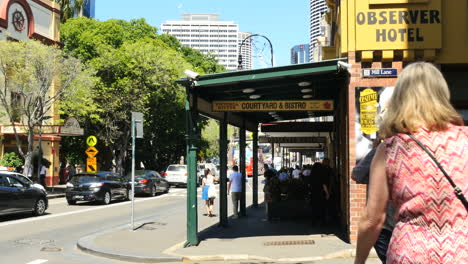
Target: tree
[(11, 160), (69, 8), (33, 77), (136, 70)]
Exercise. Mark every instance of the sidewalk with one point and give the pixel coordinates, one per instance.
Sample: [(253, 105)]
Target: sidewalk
[(56, 191), (251, 238)]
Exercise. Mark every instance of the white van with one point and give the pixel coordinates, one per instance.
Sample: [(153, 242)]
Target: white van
[(176, 174)]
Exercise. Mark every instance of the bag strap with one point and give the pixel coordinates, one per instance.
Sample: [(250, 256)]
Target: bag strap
[(458, 192)]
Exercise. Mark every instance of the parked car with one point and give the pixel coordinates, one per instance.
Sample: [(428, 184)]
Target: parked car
[(19, 194), (176, 174), (149, 182), (101, 187)]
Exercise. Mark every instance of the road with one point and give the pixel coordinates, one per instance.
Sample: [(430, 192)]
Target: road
[(52, 238)]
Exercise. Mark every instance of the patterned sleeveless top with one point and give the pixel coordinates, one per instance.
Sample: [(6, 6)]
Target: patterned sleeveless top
[(432, 224)]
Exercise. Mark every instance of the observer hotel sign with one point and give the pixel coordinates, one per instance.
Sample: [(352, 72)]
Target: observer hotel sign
[(415, 26)]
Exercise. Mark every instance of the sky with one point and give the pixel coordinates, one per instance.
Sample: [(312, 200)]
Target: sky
[(285, 23)]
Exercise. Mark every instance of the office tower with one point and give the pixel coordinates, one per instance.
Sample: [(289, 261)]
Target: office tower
[(88, 9), (207, 34), (300, 54), (246, 50), (317, 9)]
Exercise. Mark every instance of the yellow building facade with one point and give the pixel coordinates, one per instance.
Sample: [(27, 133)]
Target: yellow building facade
[(379, 38)]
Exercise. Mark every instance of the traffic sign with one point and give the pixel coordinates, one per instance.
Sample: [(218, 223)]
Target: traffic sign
[(91, 141), (91, 152), (91, 164)]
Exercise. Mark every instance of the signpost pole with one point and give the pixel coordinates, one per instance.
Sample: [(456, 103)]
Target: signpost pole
[(137, 132), (133, 175)]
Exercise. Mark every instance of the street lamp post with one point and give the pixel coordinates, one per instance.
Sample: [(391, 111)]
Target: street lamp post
[(239, 66)]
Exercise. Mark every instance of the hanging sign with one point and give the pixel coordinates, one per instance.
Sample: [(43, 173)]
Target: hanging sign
[(265, 106)]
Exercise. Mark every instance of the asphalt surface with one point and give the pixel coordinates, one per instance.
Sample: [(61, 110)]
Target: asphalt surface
[(52, 238)]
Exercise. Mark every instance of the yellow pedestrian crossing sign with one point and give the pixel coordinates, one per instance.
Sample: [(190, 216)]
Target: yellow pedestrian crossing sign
[(91, 152), (91, 141), (91, 165)]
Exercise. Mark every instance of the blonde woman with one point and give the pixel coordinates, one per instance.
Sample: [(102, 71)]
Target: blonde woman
[(431, 222)]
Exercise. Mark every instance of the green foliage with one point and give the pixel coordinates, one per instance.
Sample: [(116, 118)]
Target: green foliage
[(201, 63), (136, 71), (68, 8), (39, 76), (11, 160), (210, 134)]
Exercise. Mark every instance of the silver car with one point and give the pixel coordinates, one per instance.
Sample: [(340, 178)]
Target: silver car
[(176, 174)]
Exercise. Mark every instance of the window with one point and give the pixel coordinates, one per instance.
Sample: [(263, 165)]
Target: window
[(14, 182), (3, 181)]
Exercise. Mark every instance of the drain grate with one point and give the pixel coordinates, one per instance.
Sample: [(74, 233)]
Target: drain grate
[(289, 243), (51, 249)]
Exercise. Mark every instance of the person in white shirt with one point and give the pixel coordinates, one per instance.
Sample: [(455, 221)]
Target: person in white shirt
[(296, 174), (42, 176), (235, 188)]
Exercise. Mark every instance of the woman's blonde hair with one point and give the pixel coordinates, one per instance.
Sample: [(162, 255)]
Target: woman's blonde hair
[(421, 99)]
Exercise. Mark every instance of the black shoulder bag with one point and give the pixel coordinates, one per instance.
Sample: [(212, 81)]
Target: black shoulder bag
[(458, 192)]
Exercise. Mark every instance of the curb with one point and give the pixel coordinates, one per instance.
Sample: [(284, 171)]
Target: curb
[(54, 196), (87, 245)]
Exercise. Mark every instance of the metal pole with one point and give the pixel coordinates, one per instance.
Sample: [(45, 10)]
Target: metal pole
[(223, 145), (239, 66), (192, 216), (133, 175), (242, 210), (255, 169)]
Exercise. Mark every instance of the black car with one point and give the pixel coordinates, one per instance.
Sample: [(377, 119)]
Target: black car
[(149, 182), (18, 194), (101, 187)]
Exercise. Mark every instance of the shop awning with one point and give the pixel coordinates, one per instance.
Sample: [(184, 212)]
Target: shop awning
[(308, 90)]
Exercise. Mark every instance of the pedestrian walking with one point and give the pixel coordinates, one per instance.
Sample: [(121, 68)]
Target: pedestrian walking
[(42, 175), (235, 189), (208, 192), (71, 172), (360, 174), (421, 131)]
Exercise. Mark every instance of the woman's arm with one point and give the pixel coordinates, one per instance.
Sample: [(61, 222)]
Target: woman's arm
[(373, 216)]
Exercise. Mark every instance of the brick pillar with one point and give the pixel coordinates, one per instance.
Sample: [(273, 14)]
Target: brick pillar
[(357, 192)]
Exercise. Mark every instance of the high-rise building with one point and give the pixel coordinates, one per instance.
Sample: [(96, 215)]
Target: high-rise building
[(317, 9), (207, 34), (246, 50), (300, 54), (88, 9)]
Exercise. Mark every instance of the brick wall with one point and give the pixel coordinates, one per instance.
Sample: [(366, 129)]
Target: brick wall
[(357, 192)]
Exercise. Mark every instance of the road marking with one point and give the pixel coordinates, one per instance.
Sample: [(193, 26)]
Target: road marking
[(78, 211), (38, 261)]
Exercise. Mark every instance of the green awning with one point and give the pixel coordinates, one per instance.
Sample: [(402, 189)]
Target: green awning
[(310, 81)]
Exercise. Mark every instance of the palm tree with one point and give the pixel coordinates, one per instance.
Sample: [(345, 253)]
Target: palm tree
[(69, 8)]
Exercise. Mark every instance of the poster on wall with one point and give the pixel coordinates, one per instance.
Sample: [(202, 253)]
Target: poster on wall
[(370, 105)]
